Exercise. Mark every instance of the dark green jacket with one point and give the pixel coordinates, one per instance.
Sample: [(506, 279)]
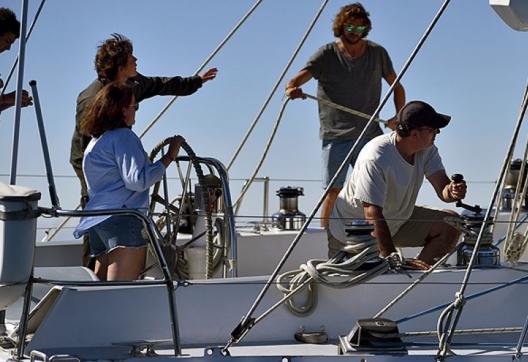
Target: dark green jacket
[(143, 88)]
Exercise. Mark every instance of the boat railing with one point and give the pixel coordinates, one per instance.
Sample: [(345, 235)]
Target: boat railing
[(153, 236)]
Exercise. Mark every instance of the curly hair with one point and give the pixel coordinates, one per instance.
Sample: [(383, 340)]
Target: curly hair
[(9, 22), (111, 55), (347, 12), (105, 112)]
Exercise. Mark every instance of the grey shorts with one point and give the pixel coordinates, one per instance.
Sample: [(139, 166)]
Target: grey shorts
[(123, 231), (411, 234)]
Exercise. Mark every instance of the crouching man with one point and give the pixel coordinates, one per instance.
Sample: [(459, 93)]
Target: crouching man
[(385, 182)]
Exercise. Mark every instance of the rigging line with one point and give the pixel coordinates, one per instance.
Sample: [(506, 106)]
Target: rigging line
[(246, 318), (413, 285), (473, 296), (27, 38), (459, 296), (345, 109), (517, 225), (274, 89), (238, 201), (204, 64)]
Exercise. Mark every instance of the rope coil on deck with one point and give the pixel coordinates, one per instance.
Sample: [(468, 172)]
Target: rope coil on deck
[(345, 270)]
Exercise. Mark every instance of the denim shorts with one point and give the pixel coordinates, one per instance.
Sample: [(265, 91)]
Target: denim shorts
[(334, 153), (123, 231)]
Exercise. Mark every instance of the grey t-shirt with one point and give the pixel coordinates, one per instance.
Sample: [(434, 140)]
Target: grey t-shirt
[(384, 178), (353, 83)]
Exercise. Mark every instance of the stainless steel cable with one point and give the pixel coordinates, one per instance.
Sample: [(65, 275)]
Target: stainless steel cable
[(204, 64), (274, 89)]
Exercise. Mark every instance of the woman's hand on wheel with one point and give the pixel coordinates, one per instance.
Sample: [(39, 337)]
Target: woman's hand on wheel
[(174, 147)]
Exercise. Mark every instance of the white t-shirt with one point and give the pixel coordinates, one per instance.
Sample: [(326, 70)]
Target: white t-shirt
[(384, 178)]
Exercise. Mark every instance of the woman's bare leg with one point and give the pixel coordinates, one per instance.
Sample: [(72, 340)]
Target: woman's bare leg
[(101, 266), (126, 263)]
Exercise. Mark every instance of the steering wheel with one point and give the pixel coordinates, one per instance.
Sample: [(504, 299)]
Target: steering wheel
[(215, 240)]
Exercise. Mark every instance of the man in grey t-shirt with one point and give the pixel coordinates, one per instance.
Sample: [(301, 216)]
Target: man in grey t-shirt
[(349, 72), (385, 183)]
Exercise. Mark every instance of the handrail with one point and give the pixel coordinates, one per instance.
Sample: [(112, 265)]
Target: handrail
[(229, 215)]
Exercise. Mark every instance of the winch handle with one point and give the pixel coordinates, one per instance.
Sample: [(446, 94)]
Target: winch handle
[(459, 178)]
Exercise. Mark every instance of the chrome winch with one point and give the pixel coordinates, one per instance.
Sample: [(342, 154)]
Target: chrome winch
[(289, 217), (488, 255)]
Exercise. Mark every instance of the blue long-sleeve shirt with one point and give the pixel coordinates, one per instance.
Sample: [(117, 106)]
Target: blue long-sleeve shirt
[(118, 174)]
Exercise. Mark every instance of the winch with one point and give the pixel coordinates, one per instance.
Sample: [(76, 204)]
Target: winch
[(488, 254), (510, 186), (289, 217)]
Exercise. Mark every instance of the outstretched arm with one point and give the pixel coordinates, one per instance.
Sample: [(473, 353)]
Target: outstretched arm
[(8, 100), (293, 87), (374, 215)]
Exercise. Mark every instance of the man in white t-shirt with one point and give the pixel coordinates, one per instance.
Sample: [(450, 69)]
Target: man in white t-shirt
[(384, 185)]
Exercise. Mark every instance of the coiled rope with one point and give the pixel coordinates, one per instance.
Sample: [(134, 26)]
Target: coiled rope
[(343, 271)]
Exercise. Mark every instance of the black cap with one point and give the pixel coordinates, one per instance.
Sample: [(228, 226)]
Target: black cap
[(417, 114)]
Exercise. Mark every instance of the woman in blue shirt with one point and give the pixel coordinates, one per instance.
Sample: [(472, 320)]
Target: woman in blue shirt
[(118, 174)]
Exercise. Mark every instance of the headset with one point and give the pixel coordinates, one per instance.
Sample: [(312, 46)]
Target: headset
[(403, 129)]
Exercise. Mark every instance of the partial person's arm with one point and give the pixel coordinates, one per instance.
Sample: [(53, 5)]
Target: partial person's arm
[(447, 190), (293, 87), (8, 100), (147, 87), (174, 149), (374, 215), (137, 172), (399, 98)]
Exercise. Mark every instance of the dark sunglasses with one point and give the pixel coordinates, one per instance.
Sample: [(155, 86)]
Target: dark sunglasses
[(429, 129), (351, 28)]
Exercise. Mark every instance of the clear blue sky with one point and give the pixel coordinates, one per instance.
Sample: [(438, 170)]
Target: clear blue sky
[(473, 67)]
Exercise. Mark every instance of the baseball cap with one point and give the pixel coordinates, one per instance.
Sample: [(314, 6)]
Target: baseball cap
[(417, 114)]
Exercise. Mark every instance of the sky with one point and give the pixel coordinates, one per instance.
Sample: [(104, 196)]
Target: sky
[(473, 67)]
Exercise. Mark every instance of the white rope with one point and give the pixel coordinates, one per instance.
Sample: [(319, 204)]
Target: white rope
[(345, 109), (339, 272)]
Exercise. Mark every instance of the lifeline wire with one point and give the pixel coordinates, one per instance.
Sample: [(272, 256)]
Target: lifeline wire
[(204, 64), (274, 89), (457, 305), (246, 322)]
